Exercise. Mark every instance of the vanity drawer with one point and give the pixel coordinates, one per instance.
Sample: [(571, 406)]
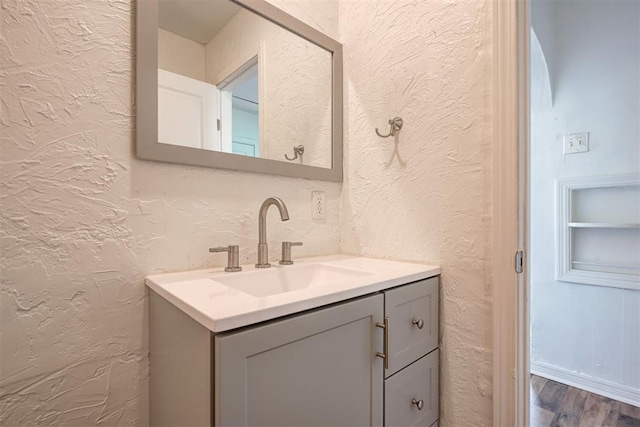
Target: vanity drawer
[(416, 383), (412, 312)]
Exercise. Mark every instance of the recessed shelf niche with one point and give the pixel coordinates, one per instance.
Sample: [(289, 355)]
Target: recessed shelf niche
[(599, 230)]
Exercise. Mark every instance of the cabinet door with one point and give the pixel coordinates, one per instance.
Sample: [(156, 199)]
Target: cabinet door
[(316, 369), (413, 322), (411, 395)]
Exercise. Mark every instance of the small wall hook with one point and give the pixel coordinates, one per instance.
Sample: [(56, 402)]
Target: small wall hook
[(396, 124), (298, 150)]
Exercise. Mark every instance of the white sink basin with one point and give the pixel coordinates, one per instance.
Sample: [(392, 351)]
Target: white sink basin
[(279, 280), (222, 301)]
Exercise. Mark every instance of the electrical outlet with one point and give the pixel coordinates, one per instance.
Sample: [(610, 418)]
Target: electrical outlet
[(576, 143), (317, 205)]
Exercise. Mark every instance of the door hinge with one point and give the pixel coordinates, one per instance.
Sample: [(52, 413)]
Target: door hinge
[(519, 261), (218, 123)]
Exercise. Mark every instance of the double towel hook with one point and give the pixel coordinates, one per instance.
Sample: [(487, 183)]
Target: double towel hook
[(396, 124), (298, 150)]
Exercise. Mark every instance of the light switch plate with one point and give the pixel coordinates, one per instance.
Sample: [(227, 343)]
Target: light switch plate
[(576, 143)]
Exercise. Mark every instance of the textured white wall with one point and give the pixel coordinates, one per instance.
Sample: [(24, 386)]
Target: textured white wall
[(590, 330), (181, 55), (427, 198), (296, 80), (83, 222)]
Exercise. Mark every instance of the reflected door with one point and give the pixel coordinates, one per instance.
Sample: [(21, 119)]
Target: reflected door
[(188, 112)]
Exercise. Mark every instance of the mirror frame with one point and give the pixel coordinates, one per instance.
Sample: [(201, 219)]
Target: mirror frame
[(147, 145)]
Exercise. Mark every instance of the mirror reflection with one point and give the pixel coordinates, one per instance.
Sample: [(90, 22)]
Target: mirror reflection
[(232, 81)]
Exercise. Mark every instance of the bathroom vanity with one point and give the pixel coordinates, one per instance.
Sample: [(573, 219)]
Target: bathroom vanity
[(336, 340)]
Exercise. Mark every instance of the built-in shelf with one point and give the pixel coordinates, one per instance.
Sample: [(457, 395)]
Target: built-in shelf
[(599, 230), (603, 225), (605, 267)]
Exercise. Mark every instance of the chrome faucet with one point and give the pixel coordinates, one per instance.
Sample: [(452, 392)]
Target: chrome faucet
[(263, 247)]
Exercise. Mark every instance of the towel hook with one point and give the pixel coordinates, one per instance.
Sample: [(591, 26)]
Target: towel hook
[(396, 124), (297, 150)]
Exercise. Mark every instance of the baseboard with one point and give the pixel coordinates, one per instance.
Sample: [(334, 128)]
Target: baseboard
[(594, 385)]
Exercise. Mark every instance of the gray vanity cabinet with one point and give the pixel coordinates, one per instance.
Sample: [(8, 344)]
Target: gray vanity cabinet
[(288, 373), (417, 382), (411, 380), (316, 368), (412, 311)]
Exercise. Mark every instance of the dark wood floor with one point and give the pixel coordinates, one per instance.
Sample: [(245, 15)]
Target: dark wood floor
[(555, 404)]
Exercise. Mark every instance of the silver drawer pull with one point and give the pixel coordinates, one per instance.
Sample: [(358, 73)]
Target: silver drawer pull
[(385, 355), (419, 404), (419, 323)]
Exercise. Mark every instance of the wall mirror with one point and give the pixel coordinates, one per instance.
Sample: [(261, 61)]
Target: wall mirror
[(237, 85)]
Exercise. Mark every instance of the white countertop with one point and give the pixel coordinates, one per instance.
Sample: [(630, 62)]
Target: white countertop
[(220, 308)]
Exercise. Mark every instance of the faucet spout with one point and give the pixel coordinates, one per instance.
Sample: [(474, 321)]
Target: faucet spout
[(263, 248)]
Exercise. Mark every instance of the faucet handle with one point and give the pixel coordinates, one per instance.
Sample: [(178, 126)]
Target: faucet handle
[(286, 252), (233, 259)]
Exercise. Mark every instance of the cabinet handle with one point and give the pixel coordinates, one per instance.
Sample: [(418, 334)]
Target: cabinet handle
[(419, 323), (384, 355), (419, 404)]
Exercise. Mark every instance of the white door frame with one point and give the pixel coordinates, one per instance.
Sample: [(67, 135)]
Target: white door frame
[(509, 192)]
